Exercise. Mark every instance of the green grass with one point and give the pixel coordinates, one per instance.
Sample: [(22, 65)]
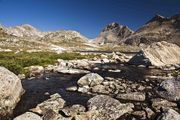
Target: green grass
[(17, 62)]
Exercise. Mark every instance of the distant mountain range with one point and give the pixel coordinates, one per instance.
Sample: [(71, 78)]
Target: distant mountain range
[(27, 37)]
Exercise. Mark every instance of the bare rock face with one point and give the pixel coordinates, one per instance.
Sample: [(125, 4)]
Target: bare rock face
[(157, 29), (108, 108), (158, 54), (10, 91), (113, 33)]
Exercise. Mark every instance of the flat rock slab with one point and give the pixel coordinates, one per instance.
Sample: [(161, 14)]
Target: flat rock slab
[(72, 71)]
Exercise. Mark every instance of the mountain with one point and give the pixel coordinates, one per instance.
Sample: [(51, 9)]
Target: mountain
[(27, 37), (64, 36), (157, 29), (113, 33), (25, 30)]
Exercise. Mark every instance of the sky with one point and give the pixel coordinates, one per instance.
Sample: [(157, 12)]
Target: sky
[(88, 17)]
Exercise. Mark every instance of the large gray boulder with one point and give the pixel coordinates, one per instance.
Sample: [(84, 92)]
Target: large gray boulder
[(36, 71), (54, 103), (108, 107), (158, 103), (90, 79), (170, 89), (158, 54), (10, 91), (28, 116), (169, 114)]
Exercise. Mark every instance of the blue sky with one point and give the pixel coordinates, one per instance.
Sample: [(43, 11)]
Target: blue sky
[(88, 17)]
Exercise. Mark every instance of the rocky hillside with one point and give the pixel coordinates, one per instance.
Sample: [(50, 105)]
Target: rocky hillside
[(157, 29), (113, 33), (27, 37), (65, 38), (24, 31)]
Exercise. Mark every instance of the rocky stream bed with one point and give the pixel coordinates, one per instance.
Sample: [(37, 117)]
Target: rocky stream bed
[(127, 84)]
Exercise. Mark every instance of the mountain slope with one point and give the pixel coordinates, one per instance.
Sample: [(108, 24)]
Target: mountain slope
[(157, 29)]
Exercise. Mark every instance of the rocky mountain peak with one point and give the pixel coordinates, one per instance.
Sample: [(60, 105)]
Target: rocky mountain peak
[(111, 26), (112, 33), (27, 27), (157, 18)]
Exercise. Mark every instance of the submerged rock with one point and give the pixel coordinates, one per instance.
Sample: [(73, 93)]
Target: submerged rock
[(71, 71), (10, 91)]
